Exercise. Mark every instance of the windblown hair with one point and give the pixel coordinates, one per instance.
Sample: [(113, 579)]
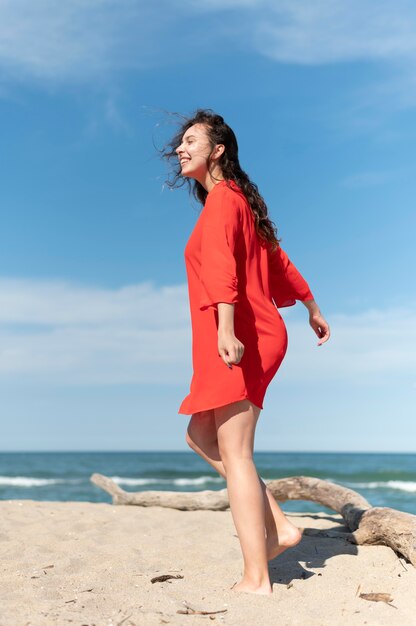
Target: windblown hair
[(219, 132)]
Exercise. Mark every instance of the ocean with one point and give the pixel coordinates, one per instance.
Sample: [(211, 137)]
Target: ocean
[(383, 479)]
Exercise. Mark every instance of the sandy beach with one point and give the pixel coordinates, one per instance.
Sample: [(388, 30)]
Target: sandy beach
[(92, 564)]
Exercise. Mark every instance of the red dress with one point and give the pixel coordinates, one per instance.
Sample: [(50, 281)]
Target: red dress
[(226, 261)]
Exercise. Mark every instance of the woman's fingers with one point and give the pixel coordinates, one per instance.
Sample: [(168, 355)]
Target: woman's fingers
[(233, 357), (321, 329), (324, 337), (231, 352)]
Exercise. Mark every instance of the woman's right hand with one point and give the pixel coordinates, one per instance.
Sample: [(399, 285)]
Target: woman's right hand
[(320, 326)]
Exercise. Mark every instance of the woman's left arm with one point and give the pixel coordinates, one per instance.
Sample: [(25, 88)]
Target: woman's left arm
[(218, 273), (317, 321), (230, 349)]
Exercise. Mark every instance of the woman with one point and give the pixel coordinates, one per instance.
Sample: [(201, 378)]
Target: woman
[(235, 269)]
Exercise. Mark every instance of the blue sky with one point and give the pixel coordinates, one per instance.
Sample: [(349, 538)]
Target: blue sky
[(95, 345)]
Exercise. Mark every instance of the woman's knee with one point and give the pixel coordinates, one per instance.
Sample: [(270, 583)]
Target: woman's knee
[(201, 429), (188, 439), (232, 455)]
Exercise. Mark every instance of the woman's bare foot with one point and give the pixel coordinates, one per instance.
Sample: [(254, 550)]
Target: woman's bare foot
[(287, 538), (246, 587)]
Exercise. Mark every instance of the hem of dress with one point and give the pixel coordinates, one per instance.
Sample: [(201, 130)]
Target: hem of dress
[(217, 406)]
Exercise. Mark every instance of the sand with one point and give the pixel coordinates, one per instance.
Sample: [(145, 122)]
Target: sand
[(83, 563)]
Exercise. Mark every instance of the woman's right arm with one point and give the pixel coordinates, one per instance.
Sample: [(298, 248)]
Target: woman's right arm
[(286, 282), (317, 321)]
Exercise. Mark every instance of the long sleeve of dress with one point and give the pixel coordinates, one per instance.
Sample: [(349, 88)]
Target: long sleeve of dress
[(220, 227), (286, 282)]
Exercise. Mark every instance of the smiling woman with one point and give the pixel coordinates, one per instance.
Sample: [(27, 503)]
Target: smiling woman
[(193, 151), (235, 268)]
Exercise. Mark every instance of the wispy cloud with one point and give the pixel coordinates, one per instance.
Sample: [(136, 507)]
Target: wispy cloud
[(374, 347), (87, 39), (60, 332), (78, 40), (329, 31), (67, 333)]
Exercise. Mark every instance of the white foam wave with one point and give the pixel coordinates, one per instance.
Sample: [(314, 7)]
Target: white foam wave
[(201, 480), (26, 481), (197, 481), (401, 485)]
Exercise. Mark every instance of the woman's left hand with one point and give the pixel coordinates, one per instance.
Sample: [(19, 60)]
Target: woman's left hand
[(230, 349), (320, 326)]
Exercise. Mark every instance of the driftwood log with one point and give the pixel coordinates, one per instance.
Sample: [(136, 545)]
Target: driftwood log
[(367, 524)]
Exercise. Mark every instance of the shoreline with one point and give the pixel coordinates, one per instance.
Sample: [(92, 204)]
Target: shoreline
[(92, 563)]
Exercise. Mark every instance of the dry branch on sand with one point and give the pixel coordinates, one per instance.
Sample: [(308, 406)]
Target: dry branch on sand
[(367, 524)]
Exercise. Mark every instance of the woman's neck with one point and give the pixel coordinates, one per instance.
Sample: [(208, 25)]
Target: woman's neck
[(212, 178)]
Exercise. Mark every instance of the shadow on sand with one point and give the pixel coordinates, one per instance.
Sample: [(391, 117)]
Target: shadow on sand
[(315, 547)]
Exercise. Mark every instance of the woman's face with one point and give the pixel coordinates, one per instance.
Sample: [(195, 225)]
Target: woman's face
[(194, 152)]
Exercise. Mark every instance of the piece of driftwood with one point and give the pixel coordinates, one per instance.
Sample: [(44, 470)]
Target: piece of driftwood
[(344, 501), (367, 524), (182, 500)]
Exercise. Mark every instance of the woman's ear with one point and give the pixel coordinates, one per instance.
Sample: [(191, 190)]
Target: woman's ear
[(218, 151)]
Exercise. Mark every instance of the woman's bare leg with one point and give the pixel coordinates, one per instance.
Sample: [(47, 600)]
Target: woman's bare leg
[(201, 436), (236, 424)]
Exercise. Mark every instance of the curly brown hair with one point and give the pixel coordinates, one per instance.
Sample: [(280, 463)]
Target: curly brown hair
[(220, 133)]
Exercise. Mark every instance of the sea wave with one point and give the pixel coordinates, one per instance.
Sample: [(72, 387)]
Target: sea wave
[(27, 481), (200, 480), (401, 485)]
